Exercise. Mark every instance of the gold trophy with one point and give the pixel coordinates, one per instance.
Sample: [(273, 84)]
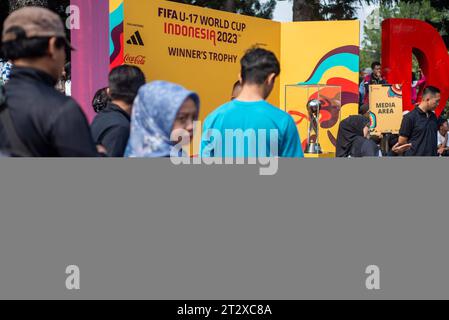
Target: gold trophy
[(313, 144)]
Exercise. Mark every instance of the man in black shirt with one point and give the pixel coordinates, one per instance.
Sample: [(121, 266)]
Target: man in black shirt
[(372, 79), (37, 120), (420, 126), (111, 126)]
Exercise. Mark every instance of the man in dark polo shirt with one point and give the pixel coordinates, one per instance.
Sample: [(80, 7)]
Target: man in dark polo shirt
[(420, 126), (111, 126)]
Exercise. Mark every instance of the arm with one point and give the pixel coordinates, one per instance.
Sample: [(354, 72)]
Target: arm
[(402, 146), (442, 146), (115, 141), (422, 80), (366, 85), (402, 140), (70, 132), (405, 133), (362, 88)]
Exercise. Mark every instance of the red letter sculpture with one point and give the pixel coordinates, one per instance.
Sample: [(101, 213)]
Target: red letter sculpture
[(401, 38)]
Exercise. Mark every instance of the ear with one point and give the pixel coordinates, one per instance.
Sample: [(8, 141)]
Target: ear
[(52, 47), (108, 91), (271, 78), (240, 78)]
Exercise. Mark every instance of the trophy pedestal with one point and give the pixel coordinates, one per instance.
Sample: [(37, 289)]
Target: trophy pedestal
[(313, 148), (319, 155)]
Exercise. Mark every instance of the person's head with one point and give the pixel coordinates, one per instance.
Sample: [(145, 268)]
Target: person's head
[(352, 128), (443, 126), (162, 110), (236, 89), (357, 125), (430, 98), (35, 37), (124, 83), (260, 67), (364, 109), (185, 118), (377, 68), (365, 72), (100, 100)]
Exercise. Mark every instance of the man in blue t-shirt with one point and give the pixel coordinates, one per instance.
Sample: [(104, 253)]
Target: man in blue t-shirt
[(249, 126)]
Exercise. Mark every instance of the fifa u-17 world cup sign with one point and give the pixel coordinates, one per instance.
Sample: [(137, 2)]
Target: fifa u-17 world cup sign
[(144, 33), (201, 49)]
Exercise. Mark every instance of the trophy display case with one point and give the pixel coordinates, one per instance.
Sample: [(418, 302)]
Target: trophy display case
[(316, 110)]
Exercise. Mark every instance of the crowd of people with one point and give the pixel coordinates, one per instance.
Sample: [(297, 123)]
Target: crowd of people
[(38, 118), (421, 133)]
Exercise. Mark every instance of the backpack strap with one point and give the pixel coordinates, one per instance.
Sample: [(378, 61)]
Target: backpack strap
[(17, 145)]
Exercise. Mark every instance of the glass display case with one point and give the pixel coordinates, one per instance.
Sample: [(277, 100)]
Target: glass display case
[(316, 110)]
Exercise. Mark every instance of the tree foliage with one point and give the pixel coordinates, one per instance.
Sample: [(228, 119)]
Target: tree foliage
[(313, 10), (257, 8), (422, 10)]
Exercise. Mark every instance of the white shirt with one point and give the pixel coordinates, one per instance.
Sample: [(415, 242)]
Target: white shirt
[(68, 88), (441, 139)]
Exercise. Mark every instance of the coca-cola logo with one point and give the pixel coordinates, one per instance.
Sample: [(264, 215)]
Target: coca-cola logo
[(140, 60)]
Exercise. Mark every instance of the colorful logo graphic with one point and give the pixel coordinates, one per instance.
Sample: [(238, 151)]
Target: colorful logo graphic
[(334, 69), (373, 121), (395, 91), (136, 39), (116, 17)]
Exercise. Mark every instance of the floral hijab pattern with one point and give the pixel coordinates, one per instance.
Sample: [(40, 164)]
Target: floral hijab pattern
[(154, 113)]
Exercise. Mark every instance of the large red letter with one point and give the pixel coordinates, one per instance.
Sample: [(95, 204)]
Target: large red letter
[(401, 38)]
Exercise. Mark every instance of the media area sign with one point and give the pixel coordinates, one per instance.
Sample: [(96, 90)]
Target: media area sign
[(385, 108)]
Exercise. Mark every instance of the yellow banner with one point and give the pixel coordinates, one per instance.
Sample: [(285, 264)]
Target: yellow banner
[(385, 108), (201, 50), (322, 53), (195, 47)]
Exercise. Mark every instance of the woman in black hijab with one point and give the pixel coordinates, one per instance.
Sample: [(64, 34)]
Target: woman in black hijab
[(353, 138)]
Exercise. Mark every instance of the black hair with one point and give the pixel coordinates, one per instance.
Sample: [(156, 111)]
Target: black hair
[(430, 90), (68, 71), (23, 47), (124, 83), (413, 77), (363, 108), (257, 64), (441, 122), (375, 64), (100, 100)]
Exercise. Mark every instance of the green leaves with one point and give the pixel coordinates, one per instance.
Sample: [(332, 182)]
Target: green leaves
[(433, 12), (257, 8)]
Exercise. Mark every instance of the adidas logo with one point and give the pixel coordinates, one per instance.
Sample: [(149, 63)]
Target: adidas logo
[(136, 39)]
